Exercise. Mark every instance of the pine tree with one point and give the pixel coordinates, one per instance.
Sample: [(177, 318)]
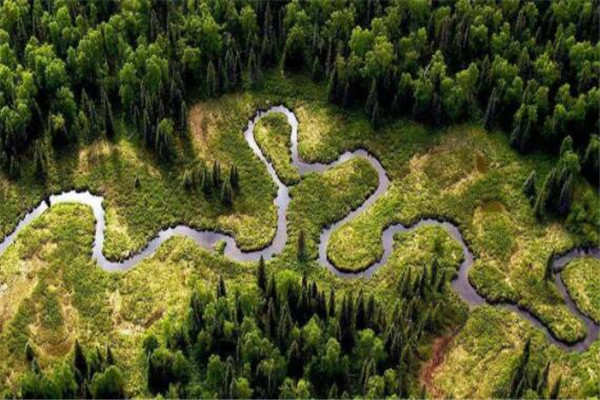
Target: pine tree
[(316, 70), (361, 318), (39, 160), (234, 178), (29, 353), (80, 363), (206, 182), (109, 124), (294, 361), (211, 80), (221, 291), (529, 187), (302, 254), (566, 196), (554, 393), (332, 87), (110, 358), (372, 99), (542, 386), (375, 115), (227, 194), (331, 306), (490, 111), (261, 275), (216, 175), (182, 120)]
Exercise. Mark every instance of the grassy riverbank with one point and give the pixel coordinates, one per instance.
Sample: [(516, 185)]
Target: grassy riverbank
[(51, 292)]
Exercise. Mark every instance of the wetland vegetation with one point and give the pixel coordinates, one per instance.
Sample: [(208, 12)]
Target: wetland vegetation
[(484, 115)]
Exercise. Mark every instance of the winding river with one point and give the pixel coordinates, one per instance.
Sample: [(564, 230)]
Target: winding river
[(208, 239)]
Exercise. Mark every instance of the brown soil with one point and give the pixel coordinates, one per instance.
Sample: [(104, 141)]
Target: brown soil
[(440, 345)]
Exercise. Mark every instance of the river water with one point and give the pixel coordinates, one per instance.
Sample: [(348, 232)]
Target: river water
[(208, 239)]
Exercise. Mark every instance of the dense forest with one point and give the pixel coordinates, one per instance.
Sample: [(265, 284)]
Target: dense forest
[(71, 69), (278, 339)]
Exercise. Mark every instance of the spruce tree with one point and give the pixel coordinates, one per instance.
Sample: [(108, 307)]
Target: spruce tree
[(234, 177), (529, 187), (490, 111), (331, 306), (555, 392), (110, 358), (372, 99), (301, 246), (211, 80), (261, 275), (566, 196), (216, 175), (206, 182), (221, 291), (294, 361), (80, 363), (227, 194)]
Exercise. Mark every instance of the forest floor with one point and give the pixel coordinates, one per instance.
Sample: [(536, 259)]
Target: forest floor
[(51, 292)]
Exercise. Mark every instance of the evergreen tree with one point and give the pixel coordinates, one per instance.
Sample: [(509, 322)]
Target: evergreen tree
[(294, 361), (555, 392), (372, 100), (234, 178), (80, 363), (529, 187), (211, 80), (216, 175), (39, 158), (301, 246), (261, 275), (227, 194), (207, 181), (221, 291)]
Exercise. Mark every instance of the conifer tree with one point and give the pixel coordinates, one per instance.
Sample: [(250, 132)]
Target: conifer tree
[(301, 246), (80, 363), (555, 392), (216, 175), (234, 177), (529, 187), (206, 182), (221, 291), (227, 194), (211, 80), (261, 275)]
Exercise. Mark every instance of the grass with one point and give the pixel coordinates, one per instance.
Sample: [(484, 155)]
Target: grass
[(582, 279), (51, 292), (72, 298), (273, 135), (482, 357), (481, 192)]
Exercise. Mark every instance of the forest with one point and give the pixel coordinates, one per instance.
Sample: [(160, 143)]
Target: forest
[(510, 86)]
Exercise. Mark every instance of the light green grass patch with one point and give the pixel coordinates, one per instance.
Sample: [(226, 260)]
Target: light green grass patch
[(273, 135), (582, 279)]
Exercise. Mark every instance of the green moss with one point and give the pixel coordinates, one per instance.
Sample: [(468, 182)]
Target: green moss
[(273, 135), (582, 279)]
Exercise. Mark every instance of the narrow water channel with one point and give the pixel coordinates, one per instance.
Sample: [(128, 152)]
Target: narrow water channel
[(208, 239)]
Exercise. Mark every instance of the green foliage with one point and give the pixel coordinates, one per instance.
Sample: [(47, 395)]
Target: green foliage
[(291, 342), (108, 384)]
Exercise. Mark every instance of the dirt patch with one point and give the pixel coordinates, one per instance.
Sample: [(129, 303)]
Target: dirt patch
[(481, 163), (440, 346), (198, 122)]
